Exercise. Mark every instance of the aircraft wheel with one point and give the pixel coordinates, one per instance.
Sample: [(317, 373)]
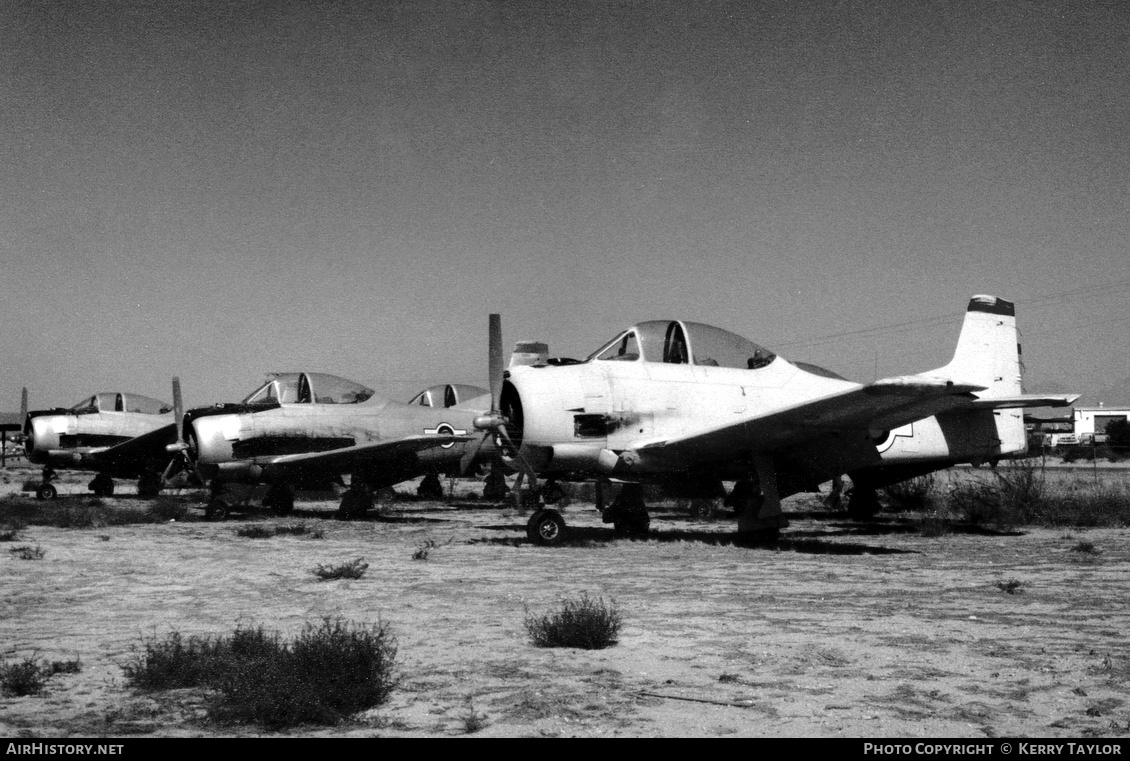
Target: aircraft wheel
[(546, 527), (217, 510), (46, 491)]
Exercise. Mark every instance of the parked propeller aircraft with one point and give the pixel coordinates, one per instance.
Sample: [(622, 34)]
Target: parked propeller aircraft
[(689, 404), (299, 429), (115, 434)]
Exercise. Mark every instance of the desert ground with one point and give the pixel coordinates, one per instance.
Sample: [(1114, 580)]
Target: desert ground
[(844, 629)]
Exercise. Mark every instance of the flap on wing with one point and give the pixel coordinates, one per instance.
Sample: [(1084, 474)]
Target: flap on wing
[(883, 405), (341, 458)]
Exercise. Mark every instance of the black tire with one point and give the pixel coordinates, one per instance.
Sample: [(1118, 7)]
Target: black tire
[(546, 527), (46, 491), (217, 510)]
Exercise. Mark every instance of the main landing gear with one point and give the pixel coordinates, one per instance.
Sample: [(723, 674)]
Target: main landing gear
[(46, 489), (627, 513), (357, 500), (279, 500)]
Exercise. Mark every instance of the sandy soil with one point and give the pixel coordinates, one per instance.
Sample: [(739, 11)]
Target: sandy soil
[(845, 629)]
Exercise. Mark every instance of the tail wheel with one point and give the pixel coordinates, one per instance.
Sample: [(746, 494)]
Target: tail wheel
[(546, 527)]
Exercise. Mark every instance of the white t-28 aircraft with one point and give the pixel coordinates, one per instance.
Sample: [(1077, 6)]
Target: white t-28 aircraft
[(690, 404), (299, 429), (117, 434)]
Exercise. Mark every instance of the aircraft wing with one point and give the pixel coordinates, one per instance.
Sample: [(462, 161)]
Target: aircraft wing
[(876, 407), (341, 459), (148, 449)]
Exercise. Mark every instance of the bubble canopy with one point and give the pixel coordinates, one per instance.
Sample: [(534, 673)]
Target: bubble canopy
[(683, 343), (308, 388), (116, 401)]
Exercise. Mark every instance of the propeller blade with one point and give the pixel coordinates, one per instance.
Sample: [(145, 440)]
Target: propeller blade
[(23, 405), (468, 458), (178, 409), (495, 369), (526, 468)]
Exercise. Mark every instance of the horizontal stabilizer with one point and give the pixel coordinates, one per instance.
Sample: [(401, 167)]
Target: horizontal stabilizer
[(1026, 400)]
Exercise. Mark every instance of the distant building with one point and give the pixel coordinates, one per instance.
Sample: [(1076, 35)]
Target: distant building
[(10, 422), (1092, 420)]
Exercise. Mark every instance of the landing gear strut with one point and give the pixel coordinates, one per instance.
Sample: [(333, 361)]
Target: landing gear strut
[(760, 519), (102, 485), (148, 485), (430, 488), (628, 513), (356, 501)]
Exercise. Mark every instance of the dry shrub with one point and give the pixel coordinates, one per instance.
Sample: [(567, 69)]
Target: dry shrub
[(582, 622), (354, 569), (912, 494), (332, 670)]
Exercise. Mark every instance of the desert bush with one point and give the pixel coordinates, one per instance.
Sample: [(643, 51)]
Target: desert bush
[(64, 667), (1012, 586), (581, 622), (9, 535), (27, 552), (911, 494), (330, 671), (424, 550), (354, 569), (24, 678), (175, 662), (1020, 495), (254, 532)]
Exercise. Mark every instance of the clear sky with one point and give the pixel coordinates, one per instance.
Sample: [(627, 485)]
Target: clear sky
[(218, 189)]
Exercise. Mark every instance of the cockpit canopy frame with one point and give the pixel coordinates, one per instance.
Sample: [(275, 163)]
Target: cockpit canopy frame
[(307, 388), (683, 343)]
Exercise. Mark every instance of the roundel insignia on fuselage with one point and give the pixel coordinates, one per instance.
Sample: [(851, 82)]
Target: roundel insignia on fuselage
[(445, 429)]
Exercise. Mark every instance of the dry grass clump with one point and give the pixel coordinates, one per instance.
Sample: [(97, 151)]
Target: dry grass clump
[(30, 676), (332, 670), (354, 569), (580, 622), (27, 552), (1019, 495)]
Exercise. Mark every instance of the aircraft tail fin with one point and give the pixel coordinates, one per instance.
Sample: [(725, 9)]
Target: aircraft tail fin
[(988, 349)]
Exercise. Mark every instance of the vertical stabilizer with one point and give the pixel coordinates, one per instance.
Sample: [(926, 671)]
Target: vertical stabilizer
[(988, 349)]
